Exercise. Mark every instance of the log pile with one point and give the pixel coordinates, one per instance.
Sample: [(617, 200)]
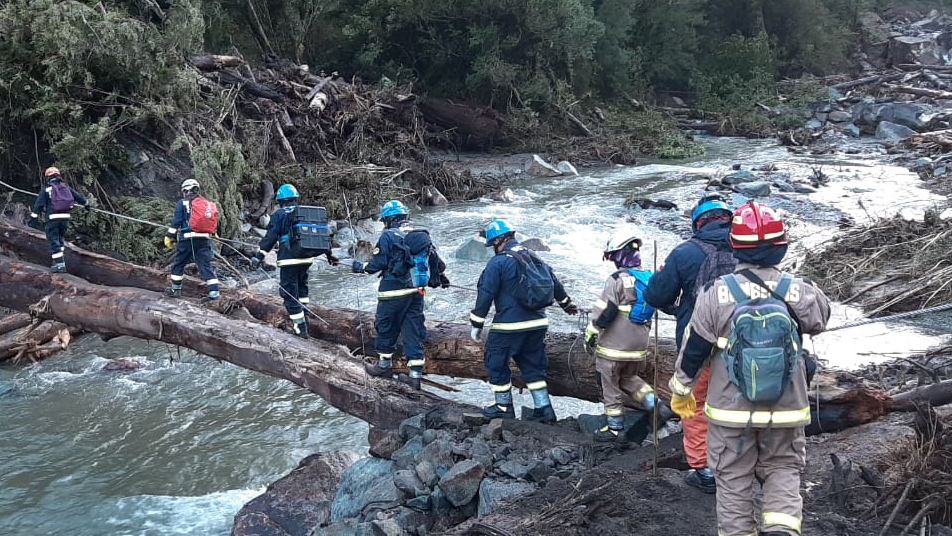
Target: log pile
[(25, 340)]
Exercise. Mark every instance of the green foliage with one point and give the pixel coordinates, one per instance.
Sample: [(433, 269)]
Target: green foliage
[(124, 238), (739, 73)]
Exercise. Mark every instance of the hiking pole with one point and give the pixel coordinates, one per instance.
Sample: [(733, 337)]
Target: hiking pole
[(898, 316), (654, 410)]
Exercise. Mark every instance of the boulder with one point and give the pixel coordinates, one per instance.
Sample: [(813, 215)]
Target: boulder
[(410, 520), (739, 177), (432, 197), (813, 124), (892, 132), (369, 480), (493, 430), (440, 454), (298, 501), (537, 167), (474, 249), (783, 185), (422, 503), (865, 112), (902, 113), (923, 49), (514, 469), (461, 482), (565, 168), (645, 203), (503, 196), (538, 471), (426, 472), (801, 188), (406, 481), (125, 364), (534, 244), (383, 442), (370, 226), (386, 527), (753, 189), (839, 116), (851, 130), (406, 456), (494, 492), (411, 427)]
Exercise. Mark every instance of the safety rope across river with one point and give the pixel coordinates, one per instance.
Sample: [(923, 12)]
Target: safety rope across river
[(899, 316)]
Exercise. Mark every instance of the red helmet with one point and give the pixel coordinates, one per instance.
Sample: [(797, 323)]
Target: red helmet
[(51, 172), (755, 224)]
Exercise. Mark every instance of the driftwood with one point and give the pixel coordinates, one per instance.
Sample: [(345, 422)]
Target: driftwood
[(35, 342), (214, 62), (475, 126), (874, 79), (921, 92), (578, 124), (323, 368), (250, 87)]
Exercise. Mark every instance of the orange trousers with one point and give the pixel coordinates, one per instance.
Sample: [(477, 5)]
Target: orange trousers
[(695, 430)]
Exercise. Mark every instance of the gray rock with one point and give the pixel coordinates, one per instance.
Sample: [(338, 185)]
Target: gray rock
[(739, 177), (335, 529), (406, 456), (427, 473), (892, 132), (369, 480), (421, 502), (539, 471), (370, 226), (481, 452), (383, 442), (839, 116), (440, 454), (813, 124), (753, 189), (428, 436), (494, 492), (493, 430), (921, 163), (246, 227), (406, 481), (565, 168), (562, 455), (514, 469), (432, 197), (510, 437), (409, 519), (259, 231), (821, 117), (537, 167), (851, 130), (801, 188), (503, 196), (386, 527), (922, 49), (834, 94), (345, 237), (902, 113), (411, 427), (940, 171), (474, 249), (783, 185), (535, 244), (461, 482)]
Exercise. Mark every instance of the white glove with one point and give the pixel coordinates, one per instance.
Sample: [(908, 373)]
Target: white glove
[(474, 334)]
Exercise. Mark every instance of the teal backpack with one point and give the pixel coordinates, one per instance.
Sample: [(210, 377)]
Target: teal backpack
[(764, 347), (641, 312)]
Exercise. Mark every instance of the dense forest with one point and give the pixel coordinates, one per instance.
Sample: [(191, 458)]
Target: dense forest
[(83, 83)]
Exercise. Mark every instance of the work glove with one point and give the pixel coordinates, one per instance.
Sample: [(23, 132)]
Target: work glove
[(32, 219), (591, 337), (684, 406), (475, 333), (569, 307), (169, 243), (331, 259), (357, 267), (255, 263), (444, 281)]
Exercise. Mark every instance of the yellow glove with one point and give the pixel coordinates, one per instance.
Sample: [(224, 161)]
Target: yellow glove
[(169, 243), (684, 406)]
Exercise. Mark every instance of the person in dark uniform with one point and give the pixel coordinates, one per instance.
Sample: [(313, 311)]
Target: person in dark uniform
[(400, 301), (517, 332), (192, 246), (56, 199), (293, 278)]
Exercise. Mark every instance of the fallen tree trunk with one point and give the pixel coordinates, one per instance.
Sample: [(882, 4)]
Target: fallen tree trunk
[(876, 78), (322, 368), (36, 342), (214, 62), (921, 92), (449, 350)]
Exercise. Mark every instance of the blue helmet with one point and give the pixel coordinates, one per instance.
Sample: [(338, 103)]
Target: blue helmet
[(393, 208), (708, 203), (495, 229), (287, 191)]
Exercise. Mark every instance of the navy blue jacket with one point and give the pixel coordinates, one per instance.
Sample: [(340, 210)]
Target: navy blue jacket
[(42, 204), (279, 232), (498, 284), (180, 222), (385, 254), (680, 271)]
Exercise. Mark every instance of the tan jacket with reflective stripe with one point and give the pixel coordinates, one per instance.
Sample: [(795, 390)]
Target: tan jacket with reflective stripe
[(622, 340), (713, 312)]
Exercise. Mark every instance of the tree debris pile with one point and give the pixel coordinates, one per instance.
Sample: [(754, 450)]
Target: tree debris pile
[(24, 339), (893, 265)]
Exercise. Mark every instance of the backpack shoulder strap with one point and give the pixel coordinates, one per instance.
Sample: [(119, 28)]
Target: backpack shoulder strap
[(731, 281), (782, 287)]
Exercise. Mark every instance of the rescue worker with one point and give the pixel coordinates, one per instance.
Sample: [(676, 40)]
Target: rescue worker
[(293, 270), (400, 303), (192, 246), (748, 440), (689, 267), (517, 332), (622, 344), (56, 199)]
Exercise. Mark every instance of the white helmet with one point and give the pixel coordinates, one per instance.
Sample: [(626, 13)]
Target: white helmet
[(189, 184), (619, 241)]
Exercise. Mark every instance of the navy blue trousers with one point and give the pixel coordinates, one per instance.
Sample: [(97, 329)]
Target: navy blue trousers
[(56, 235), (401, 316), (526, 347), (294, 289), (200, 251)]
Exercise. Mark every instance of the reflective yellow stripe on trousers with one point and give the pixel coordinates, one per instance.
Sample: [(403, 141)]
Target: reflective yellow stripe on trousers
[(795, 416), (291, 262), (634, 355), (782, 520), (516, 326), (397, 293)]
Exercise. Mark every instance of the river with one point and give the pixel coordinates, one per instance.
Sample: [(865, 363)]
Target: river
[(180, 445)]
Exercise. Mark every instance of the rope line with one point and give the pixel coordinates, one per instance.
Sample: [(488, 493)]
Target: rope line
[(898, 316)]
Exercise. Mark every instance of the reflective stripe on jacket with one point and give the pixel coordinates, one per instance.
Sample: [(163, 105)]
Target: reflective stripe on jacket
[(713, 314), (620, 339)]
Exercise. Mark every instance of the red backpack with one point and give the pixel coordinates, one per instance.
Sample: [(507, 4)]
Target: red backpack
[(203, 217)]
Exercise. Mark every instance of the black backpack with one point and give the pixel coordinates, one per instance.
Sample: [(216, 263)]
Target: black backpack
[(309, 234), (536, 288)]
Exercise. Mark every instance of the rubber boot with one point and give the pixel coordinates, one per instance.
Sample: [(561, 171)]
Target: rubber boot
[(173, 292), (414, 383), (212, 296), (300, 329), (702, 479), (382, 368), (58, 268), (612, 432), (497, 411), (545, 415)]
